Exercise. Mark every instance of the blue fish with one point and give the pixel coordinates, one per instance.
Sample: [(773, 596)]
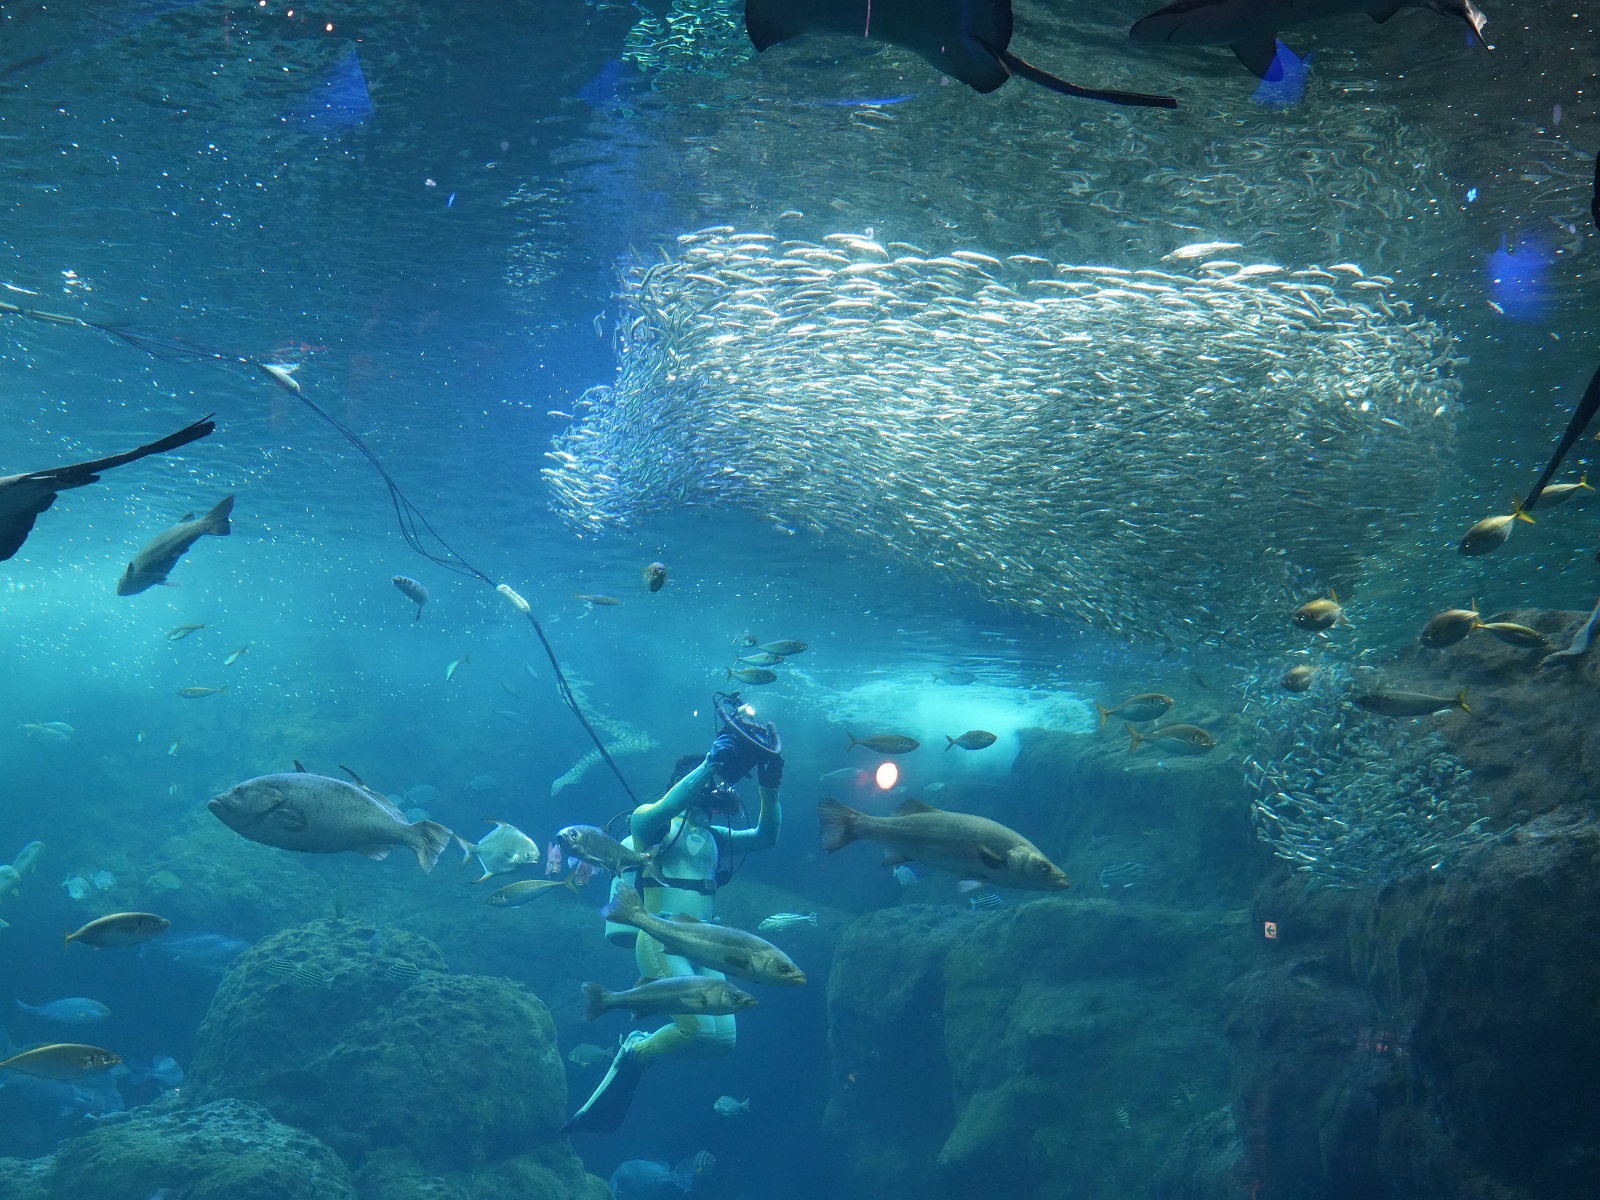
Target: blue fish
[(640, 1179), (204, 951), (163, 1070), (75, 1010)]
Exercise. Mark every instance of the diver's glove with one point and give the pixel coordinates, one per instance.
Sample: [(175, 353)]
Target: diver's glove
[(733, 756), (769, 772)]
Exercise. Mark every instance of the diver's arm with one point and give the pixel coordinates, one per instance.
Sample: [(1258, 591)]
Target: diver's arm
[(764, 834), (653, 821)]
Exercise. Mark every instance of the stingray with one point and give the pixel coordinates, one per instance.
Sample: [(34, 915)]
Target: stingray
[(1250, 27), (24, 497), (966, 39)]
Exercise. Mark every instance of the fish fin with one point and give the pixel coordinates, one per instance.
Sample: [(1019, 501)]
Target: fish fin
[(375, 853), (686, 919), (737, 958), (359, 781), (638, 983), (992, 858), (1461, 700), (432, 838), (910, 807), (626, 908), (188, 516), (595, 997), (217, 523), (1382, 15), (1044, 79), (854, 741), (467, 851), (892, 859), (297, 766), (1583, 481), (1105, 714), (289, 818), (162, 582), (1257, 52), (488, 875), (950, 743), (1134, 738), (838, 824), (1516, 511)]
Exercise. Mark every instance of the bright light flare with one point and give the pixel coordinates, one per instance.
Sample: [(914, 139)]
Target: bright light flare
[(887, 775)]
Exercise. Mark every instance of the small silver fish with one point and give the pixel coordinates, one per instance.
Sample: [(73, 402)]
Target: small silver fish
[(788, 920), (235, 656), (450, 671)]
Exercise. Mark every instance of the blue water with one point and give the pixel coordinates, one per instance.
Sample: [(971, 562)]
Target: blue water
[(436, 216)]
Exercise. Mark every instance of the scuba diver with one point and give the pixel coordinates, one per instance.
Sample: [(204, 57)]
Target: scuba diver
[(692, 824)]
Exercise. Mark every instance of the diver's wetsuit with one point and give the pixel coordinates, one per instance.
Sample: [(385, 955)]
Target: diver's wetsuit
[(691, 863), (691, 856)]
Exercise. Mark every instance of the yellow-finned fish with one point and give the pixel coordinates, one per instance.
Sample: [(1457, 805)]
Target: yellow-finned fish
[(1408, 704), (1560, 493), (1489, 534), (1450, 626), (1519, 636), (525, 891), (62, 1062), (194, 693), (1321, 614), (1146, 706), (1175, 739), (119, 929)]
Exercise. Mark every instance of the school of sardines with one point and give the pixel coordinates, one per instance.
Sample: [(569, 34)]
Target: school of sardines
[(1149, 422)]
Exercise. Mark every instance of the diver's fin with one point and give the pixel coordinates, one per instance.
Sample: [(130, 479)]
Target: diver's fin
[(1033, 74), (1257, 53), (604, 1111)]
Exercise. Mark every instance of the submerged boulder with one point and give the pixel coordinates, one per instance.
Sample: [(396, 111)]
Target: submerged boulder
[(355, 1034), (227, 1150)]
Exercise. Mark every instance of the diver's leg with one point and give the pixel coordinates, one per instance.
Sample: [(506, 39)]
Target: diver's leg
[(689, 1033)]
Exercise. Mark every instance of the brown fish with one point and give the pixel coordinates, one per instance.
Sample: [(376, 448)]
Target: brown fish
[(655, 576), (972, 739), (703, 994), (155, 562), (526, 891), (753, 675), (885, 743), (1450, 626), (1146, 706), (1409, 704), (1519, 636), (63, 1062), (1321, 614), (1299, 679), (119, 929), (970, 847), (1175, 739)]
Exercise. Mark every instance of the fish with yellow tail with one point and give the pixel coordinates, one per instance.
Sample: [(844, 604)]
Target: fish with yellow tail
[(1450, 626), (1387, 703), (1519, 636), (118, 930), (1489, 534), (1146, 706), (1560, 493), (1320, 614), (1174, 739), (967, 846), (63, 1062)]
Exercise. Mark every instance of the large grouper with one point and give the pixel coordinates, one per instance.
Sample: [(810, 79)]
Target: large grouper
[(971, 847), (318, 815)]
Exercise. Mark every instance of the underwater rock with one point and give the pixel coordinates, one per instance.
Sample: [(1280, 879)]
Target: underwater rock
[(551, 1172), (227, 1150), (1183, 818), (1081, 1041), (318, 1025), (25, 1179)]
